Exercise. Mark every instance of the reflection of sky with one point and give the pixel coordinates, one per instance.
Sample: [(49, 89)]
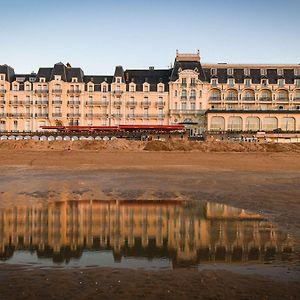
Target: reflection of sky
[(89, 259), (98, 35)]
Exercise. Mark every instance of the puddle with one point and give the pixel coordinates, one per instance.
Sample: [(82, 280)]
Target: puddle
[(151, 235)]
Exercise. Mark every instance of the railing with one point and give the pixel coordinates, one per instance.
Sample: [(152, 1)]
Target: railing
[(187, 111), (160, 103), (57, 91), (249, 99), (73, 102), (74, 115), (183, 97), (146, 103), (184, 84), (95, 115), (231, 98), (117, 116), (41, 91), (118, 102), (57, 115), (192, 97), (214, 98), (57, 102), (38, 102), (282, 99), (296, 99), (265, 99), (74, 91), (131, 103), (41, 115)]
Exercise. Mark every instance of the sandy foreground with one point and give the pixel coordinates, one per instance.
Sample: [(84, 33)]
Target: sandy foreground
[(265, 182)]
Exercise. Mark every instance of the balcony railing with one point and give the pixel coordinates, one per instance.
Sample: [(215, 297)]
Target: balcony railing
[(249, 99), (184, 84), (73, 102), (57, 91), (265, 99), (131, 103), (187, 111), (95, 115), (41, 115), (160, 103), (183, 97), (192, 97), (231, 98), (117, 116), (117, 103), (20, 115), (74, 115), (217, 99), (282, 99), (41, 91), (296, 99), (57, 102), (41, 102), (74, 91), (57, 115), (118, 93), (146, 103)]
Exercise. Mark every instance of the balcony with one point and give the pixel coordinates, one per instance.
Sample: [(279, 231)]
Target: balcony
[(94, 115), (41, 102), (73, 102), (14, 102), (57, 115), (187, 112), (117, 103), (28, 103), (73, 115), (57, 102), (215, 99), (160, 103), (41, 91), (192, 97), (184, 84), (117, 116), (2, 91), (267, 99), (183, 97), (131, 116), (57, 91), (74, 92), (249, 99), (282, 99), (131, 103), (231, 98), (146, 103), (41, 115), (118, 93)]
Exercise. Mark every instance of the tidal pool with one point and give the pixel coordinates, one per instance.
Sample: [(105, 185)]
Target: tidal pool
[(140, 234)]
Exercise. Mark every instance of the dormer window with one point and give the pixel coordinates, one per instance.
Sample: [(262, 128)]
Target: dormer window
[(193, 82), (74, 79), (118, 79), (132, 88), (27, 87), (297, 82), (297, 72), (42, 79), (90, 88), (213, 72), (247, 72), (280, 72), (161, 88), (57, 77), (263, 72), (104, 88), (2, 77), (264, 82), (15, 87), (230, 72), (183, 82), (146, 87)]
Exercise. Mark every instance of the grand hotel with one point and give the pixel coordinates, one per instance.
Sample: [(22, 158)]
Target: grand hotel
[(206, 97)]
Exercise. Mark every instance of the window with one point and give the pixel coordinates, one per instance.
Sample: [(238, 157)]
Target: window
[(297, 82), (193, 94), (57, 77), (146, 88), (175, 93), (161, 88), (247, 82), (74, 79), (27, 87), (183, 81), (2, 77), (263, 72), (281, 82), (15, 87), (132, 88), (231, 82), (213, 72), (42, 79), (214, 82), (104, 88), (118, 80), (230, 72), (247, 72), (264, 82), (91, 88), (193, 82), (297, 72), (280, 72)]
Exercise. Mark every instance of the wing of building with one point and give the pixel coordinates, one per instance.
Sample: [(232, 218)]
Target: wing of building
[(205, 97)]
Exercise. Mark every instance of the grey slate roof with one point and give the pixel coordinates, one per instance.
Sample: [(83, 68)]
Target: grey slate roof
[(8, 71)]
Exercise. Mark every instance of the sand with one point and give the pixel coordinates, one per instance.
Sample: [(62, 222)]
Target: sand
[(267, 182)]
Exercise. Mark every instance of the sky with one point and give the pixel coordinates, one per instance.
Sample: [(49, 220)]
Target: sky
[(98, 35)]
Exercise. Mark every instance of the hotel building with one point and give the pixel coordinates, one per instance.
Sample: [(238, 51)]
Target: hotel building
[(205, 97)]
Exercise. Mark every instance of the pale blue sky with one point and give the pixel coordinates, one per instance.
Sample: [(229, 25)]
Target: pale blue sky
[(97, 35)]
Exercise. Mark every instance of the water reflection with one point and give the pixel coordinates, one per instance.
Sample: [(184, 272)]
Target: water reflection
[(135, 233)]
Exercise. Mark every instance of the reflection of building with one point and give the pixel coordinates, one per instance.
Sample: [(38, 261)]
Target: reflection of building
[(186, 232), (214, 97)]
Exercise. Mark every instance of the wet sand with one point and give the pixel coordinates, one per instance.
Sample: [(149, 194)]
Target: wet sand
[(267, 183)]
